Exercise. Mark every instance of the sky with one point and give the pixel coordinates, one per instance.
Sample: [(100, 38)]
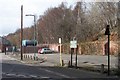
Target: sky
[(10, 12)]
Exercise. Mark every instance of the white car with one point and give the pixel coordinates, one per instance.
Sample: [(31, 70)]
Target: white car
[(44, 50)]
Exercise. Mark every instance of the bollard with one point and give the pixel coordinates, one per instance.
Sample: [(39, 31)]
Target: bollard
[(25, 56), (62, 62), (31, 57), (36, 58), (28, 56), (102, 68), (68, 63)]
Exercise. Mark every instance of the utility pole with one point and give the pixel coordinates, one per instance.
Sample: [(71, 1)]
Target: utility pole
[(21, 31)]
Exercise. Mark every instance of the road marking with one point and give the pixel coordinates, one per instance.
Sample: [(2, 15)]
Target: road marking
[(32, 76), (11, 74), (45, 77), (21, 75), (56, 73), (35, 76)]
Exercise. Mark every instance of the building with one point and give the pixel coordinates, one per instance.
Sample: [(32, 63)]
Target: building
[(4, 43)]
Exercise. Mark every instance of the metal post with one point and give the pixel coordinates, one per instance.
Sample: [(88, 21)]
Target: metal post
[(5, 49), (60, 55), (60, 41), (34, 33), (108, 55), (102, 68), (76, 59), (34, 37), (72, 50), (21, 31), (107, 32)]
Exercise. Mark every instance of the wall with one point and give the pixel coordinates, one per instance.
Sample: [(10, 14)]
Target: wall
[(30, 49), (89, 48), (99, 48)]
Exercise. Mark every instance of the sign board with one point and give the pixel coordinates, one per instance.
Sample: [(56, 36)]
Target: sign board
[(60, 40), (73, 44)]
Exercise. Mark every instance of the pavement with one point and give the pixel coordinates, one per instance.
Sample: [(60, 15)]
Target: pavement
[(28, 59), (89, 62)]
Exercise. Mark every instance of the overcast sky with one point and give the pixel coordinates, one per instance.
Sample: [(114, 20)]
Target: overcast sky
[(10, 12)]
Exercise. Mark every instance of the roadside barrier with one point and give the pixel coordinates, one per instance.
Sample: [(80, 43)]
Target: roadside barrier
[(31, 57)]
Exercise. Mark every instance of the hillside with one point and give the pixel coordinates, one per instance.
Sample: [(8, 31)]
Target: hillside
[(68, 22), (102, 37)]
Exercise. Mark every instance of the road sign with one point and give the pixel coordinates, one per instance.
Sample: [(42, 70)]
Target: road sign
[(73, 44), (60, 41)]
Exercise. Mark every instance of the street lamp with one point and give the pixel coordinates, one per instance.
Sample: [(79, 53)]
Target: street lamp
[(107, 32), (34, 32)]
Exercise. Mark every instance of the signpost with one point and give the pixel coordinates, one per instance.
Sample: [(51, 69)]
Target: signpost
[(60, 41), (73, 45), (107, 32)]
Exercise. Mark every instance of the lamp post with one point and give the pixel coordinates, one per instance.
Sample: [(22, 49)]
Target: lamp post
[(34, 32), (107, 32)]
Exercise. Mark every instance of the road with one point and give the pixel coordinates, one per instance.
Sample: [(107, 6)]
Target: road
[(11, 68), (82, 59)]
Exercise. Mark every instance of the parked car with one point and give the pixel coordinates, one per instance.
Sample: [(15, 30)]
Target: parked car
[(44, 50)]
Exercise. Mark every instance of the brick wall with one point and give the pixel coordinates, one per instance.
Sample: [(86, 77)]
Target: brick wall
[(30, 49), (99, 48), (89, 48)]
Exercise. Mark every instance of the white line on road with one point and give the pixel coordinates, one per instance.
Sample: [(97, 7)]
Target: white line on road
[(45, 77), (33, 76)]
